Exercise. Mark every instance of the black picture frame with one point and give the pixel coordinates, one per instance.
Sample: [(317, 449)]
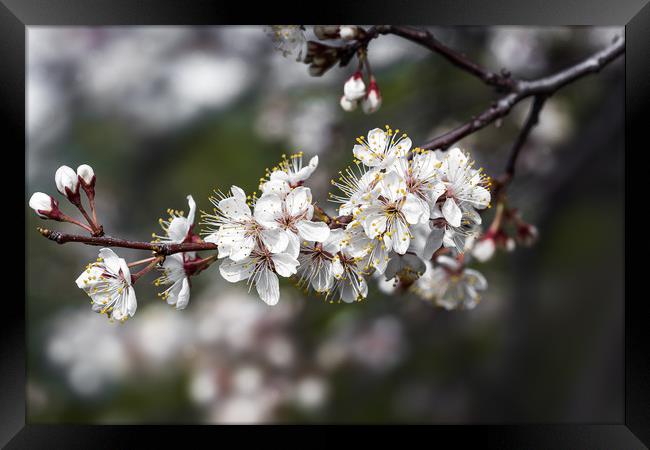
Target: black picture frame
[(16, 15)]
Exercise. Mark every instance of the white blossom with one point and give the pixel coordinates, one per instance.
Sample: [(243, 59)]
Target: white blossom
[(317, 262), (234, 229), (288, 174), (290, 40), (175, 275), (177, 268), (381, 148), (356, 187), (450, 284), (349, 283), (177, 227), (292, 214), (391, 213), (465, 188), (108, 283), (260, 269)]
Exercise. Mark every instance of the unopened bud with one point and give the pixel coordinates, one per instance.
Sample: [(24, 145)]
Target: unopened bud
[(348, 105), (354, 88), (527, 234), (67, 182), (45, 206), (86, 174), (484, 248), (372, 101), (348, 32)]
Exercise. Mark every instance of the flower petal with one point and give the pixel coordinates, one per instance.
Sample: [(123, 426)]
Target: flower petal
[(242, 249), (298, 200), (178, 229), (313, 231), (234, 208), (433, 243), (413, 209), (374, 224), (192, 212), (184, 295), (452, 212), (367, 156), (267, 209), (285, 265), (268, 287), (275, 240), (402, 237), (111, 260), (234, 271)]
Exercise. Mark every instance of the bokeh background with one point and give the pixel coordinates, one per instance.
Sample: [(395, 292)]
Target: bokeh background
[(162, 112)]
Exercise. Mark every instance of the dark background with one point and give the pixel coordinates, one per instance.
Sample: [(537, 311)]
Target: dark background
[(164, 112)]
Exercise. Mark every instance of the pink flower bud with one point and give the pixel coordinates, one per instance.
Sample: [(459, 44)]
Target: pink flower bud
[(527, 234), (372, 101), (354, 88), (348, 105)]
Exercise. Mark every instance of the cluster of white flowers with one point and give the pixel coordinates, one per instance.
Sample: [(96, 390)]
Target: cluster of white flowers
[(406, 216), (407, 206), (261, 237)]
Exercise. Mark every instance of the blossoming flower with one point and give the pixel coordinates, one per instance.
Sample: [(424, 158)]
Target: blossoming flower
[(317, 262), (422, 178), (288, 174), (178, 293), (234, 229), (178, 228), (450, 284), (290, 40), (261, 268), (381, 148), (373, 252), (349, 282), (465, 188), (292, 214), (108, 283), (356, 186), (177, 268), (391, 213)]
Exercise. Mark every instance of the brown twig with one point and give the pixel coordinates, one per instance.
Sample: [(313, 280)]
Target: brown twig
[(545, 86), (161, 249), (531, 121), (502, 81)]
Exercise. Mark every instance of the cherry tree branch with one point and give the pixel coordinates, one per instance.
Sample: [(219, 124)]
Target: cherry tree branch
[(159, 248), (502, 81), (523, 89), (531, 121)]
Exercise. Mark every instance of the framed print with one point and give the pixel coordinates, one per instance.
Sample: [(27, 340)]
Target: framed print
[(416, 223)]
